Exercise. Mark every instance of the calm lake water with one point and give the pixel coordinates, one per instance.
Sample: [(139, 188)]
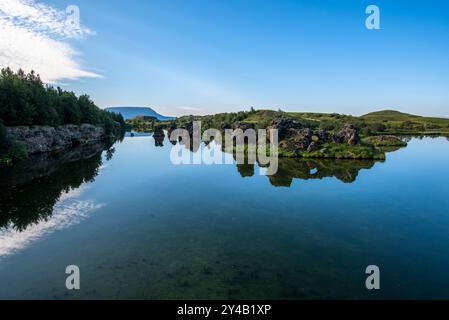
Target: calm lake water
[(139, 227)]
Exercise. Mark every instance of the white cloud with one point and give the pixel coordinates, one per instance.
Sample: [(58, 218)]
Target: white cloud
[(33, 36)]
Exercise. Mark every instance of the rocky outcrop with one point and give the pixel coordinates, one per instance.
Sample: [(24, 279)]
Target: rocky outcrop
[(225, 126), (42, 139), (294, 137), (347, 135), (159, 136), (170, 128), (286, 127), (243, 126)]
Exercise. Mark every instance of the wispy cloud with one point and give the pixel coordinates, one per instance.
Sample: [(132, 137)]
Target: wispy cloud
[(33, 36)]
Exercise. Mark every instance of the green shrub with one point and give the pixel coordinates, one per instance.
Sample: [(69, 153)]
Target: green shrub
[(10, 151), (17, 151)]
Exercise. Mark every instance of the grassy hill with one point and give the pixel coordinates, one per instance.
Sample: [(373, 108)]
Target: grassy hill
[(399, 122)]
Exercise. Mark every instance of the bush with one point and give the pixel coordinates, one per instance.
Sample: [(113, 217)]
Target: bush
[(406, 125), (10, 150), (328, 125), (378, 127), (17, 151)]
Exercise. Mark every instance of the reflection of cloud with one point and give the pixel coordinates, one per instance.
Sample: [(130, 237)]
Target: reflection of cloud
[(67, 212), (32, 38)]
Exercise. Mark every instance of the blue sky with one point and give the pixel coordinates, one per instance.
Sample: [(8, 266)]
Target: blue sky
[(208, 56)]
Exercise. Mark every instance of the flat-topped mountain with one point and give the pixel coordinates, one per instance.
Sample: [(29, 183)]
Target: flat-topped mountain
[(132, 112)]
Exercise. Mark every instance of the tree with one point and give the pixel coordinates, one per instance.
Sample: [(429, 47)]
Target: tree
[(26, 100)]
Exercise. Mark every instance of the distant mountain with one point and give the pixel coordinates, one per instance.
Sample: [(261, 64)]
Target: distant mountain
[(132, 112)]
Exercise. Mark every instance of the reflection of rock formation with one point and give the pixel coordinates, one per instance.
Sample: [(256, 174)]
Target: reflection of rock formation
[(344, 170), (159, 136), (246, 170), (30, 189), (170, 128), (297, 168), (190, 135), (301, 168)]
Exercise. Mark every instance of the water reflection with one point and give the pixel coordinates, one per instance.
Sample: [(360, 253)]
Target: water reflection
[(67, 211), (208, 233), (30, 190), (289, 168), (23, 202), (305, 169)]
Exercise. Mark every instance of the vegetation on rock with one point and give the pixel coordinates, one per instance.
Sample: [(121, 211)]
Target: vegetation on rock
[(385, 141), (26, 101), (320, 135)]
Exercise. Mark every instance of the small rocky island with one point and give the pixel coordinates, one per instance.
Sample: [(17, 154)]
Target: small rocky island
[(314, 135), (297, 140)]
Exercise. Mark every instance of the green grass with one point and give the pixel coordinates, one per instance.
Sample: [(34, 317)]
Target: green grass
[(403, 123), (385, 141)]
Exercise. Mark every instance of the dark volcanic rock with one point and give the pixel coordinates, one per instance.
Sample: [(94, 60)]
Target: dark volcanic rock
[(347, 135), (303, 138), (312, 146), (321, 136), (159, 136), (172, 127), (243, 126), (286, 127), (293, 137), (225, 126), (41, 139), (189, 128)]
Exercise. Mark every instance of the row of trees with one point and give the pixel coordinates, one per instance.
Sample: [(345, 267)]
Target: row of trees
[(26, 100)]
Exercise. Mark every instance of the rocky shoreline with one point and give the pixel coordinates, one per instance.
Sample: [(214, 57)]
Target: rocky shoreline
[(44, 139)]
